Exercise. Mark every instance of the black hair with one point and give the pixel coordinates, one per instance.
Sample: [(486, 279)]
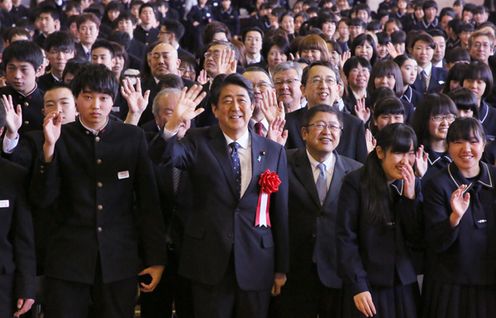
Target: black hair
[(361, 40), (383, 38), (380, 94), (401, 59), (175, 27), (465, 99), (73, 66), (9, 34), (430, 105), (386, 68), (398, 37), (3, 115), (457, 54), (170, 81), (97, 78), (399, 138), (424, 37), (306, 70), (105, 45), (59, 40), (148, 5), (23, 51), (478, 70), (357, 22), (354, 62), (231, 79), (456, 73), (126, 16), (321, 108), (466, 128), (429, 4), (388, 105), (48, 9), (374, 26), (252, 29), (280, 42)]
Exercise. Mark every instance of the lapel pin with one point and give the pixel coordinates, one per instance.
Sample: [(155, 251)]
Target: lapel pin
[(259, 158)]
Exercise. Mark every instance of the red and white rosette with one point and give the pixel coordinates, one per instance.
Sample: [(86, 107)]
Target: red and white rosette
[(269, 183)]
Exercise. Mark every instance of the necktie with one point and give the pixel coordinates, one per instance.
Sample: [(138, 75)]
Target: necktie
[(236, 165), (423, 77), (259, 129), (322, 182)]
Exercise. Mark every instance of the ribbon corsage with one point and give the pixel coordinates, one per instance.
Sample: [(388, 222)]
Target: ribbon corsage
[(269, 183)]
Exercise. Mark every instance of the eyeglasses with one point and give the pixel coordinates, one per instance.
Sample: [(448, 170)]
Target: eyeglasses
[(439, 118), (63, 51), (288, 82), (484, 45), (262, 85), (321, 126), (328, 80), (214, 54)]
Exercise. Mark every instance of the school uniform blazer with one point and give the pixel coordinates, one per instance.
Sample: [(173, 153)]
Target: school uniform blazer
[(487, 116), (312, 226), (17, 256), (352, 144), (465, 254), (436, 83), (372, 253), (108, 207), (32, 105), (222, 225)]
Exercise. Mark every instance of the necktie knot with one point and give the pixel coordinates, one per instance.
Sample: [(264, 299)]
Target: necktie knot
[(322, 168), (234, 146)]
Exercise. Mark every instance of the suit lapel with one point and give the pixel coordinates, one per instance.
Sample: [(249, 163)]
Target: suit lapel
[(303, 171), (219, 148), (258, 154), (337, 176)]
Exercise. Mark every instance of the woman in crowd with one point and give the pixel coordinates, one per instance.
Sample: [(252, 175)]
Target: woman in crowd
[(377, 222), (431, 121), (364, 45), (458, 212), (313, 48), (409, 71)]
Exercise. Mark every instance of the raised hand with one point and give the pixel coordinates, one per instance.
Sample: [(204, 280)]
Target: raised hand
[(13, 116), (408, 181), (202, 77), (136, 100), (23, 306), (421, 161), (186, 107), (364, 304), (226, 62), (370, 141), (361, 110), (52, 125), (459, 202), (392, 50), (344, 57), (271, 108), (276, 131)]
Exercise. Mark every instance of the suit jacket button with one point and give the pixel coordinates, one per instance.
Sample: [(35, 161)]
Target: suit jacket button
[(99, 207), (98, 161), (99, 184), (97, 139)]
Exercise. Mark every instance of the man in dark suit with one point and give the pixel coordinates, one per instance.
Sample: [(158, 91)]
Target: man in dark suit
[(319, 86), (17, 255), (232, 253), (430, 79), (108, 226), (315, 174)]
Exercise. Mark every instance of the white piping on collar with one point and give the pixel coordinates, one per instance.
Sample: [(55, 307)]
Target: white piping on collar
[(485, 166)]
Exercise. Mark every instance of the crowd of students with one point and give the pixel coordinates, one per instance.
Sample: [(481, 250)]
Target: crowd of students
[(300, 159)]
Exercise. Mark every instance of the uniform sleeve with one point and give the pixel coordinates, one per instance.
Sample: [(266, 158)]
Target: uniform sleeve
[(25, 260), (152, 228), (349, 260), (440, 235), (45, 182), (411, 218)]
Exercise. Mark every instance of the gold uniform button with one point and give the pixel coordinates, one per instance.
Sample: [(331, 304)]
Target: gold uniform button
[(99, 207), (99, 229), (98, 161), (26, 104), (26, 122), (99, 184), (97, 139)]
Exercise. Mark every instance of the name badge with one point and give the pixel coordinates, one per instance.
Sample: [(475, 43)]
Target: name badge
[(4, 203), (123, 175), (116, 109)]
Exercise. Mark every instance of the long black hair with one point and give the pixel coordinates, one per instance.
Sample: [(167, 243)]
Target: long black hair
[(398, 138)]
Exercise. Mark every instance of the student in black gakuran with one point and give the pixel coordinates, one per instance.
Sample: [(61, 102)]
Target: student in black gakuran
[(109, 228), (377, 222), (460, 229)]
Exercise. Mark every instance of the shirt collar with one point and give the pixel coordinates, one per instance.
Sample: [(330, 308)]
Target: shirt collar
[(407, 95), (484, 177), (243, 141), (91, 130), (397, 185), (427, 69), (329, 162)]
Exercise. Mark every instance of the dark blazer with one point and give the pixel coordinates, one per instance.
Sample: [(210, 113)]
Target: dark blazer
[(81, 54), (412, 96), (436, 83), (487, 116), (464, 254), (108, 204), (17, 255), (352, 144), (376, 253), (222, 224), (47, 81), (312, 226), (145, 36)]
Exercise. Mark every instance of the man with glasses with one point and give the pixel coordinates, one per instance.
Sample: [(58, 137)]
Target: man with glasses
[(60, 48), (315, 175), (480, 45), (262, 89), (287, 82), (320, 86)]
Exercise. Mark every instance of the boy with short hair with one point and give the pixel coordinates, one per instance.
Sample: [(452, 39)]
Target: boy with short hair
[(109, 227)]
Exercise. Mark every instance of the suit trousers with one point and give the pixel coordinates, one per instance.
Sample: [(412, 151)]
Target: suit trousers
[(66, 299), (228, 300), (7, 303)]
